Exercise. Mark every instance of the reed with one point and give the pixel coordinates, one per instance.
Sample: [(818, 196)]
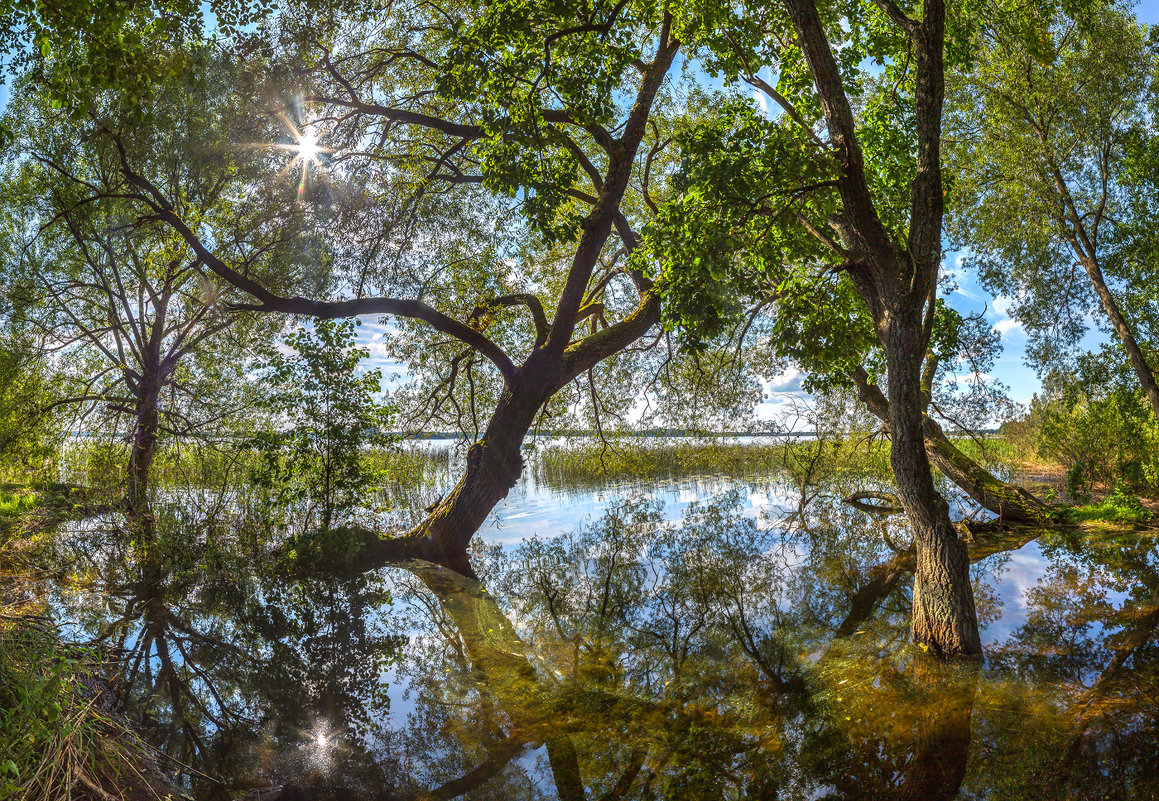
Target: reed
[(589, 462)]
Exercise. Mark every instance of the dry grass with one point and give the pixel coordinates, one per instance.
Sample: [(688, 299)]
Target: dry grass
[(58, 740)]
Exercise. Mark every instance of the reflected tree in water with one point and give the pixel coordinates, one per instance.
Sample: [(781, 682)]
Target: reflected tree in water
[(634, 658)]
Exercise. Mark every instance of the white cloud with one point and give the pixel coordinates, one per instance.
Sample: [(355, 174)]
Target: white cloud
[(761, 101), (788, 381), (1002, 305), (1004, 324), (1008, 327)]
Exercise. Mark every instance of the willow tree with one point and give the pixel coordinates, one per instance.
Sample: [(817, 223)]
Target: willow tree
[(847, 201), (120, 304), (549, 113), (816, 323), (1052, 122)]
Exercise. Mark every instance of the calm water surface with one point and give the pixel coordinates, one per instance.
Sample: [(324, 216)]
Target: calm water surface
[(691, 639)]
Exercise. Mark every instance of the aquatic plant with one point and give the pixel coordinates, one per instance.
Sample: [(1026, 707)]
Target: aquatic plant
[(584, 462)]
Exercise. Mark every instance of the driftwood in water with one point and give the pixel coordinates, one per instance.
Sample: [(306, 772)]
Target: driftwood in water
[(862, 501)]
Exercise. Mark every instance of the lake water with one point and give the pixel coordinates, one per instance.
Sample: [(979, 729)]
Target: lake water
[(693, 638)]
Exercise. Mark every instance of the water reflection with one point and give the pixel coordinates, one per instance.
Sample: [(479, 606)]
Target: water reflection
[(722, 656)]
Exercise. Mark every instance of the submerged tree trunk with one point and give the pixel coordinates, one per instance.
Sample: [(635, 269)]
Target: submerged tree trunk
[(1008, 501), (944, 617)]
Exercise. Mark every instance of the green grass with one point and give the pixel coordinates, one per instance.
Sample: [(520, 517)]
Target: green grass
[(55, 742), (13, 504), (104, 465), (1118, 507)]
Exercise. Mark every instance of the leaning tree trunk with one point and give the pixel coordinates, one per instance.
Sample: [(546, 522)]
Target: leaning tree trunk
[(1009, 502), (1138, 363), (944, 617), (494, 464)]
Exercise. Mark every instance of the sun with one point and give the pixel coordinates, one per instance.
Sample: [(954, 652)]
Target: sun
[(307, 147), (308, 156)]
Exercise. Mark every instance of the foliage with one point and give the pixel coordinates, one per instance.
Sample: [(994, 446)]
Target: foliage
[(55, 740), (327, 551), (80, 46), (28, 430), (1099, 430), (1050, 139), (1118, 507), (13, 504), (331, 411)]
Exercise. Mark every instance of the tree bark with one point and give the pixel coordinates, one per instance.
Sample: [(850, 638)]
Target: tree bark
[(494, 465), (944, 617), (896, 282), (143, 445), (1009, 502)]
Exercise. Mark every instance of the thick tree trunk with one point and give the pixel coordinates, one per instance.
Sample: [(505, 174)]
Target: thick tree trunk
[(1008, 501), (494, 464), (944, 617), (143, 446)]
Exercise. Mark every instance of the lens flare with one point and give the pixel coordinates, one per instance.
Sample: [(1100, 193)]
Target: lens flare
[(307, 147)]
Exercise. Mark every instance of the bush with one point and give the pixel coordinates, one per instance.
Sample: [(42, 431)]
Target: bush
[(1118, 507), (1100, 436)]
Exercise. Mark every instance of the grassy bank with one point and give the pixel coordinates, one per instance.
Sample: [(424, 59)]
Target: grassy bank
[(57, 740)]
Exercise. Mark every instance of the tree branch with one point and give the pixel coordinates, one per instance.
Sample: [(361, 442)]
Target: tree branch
[(325, 310)]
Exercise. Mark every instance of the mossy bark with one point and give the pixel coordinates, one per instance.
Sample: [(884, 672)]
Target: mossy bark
[(1010, 502)]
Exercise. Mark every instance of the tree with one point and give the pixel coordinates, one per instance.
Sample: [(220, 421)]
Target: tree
[(121, 303), (896, 277), (332, 412), (27, 436), (75, 47), (857, 215), (498, 104), (1052, 123)]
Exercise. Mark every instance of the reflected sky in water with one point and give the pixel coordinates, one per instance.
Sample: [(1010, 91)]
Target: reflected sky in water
[(623, 643)]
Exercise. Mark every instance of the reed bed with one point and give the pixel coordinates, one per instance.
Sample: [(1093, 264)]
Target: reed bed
[(588, 462)]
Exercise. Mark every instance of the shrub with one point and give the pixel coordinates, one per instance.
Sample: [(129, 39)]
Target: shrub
[(332, 413), (1099, 435), (1118, 507)]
